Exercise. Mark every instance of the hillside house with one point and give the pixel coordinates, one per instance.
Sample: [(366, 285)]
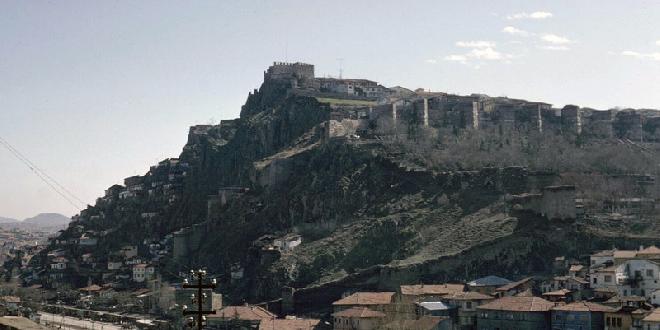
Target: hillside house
[(410, 294), (358, 318), (287, 243), (514, 288), (376, 301), (652, 321), (59, 263), (577, 271), (436, 308), (508, 312), (558, 296), (580, 315), (574, 284), (143, 272), (467, 303), (488, 284), (239, 317)]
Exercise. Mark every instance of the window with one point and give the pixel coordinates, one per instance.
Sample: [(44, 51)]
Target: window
[(595, 280), (607, 321), (649, 272), (468, 304), (608, 278), (618, 322)]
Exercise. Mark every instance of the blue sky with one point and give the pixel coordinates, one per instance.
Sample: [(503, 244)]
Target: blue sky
[(94, 91)]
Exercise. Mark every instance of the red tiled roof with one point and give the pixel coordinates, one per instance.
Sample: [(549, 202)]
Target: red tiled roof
[(584, 306), (653, 317), (251, 313), (519, 304), (513, 285), (359, 312), (624, 254), (471, 295), (437, 289), (650, 250), (576, 268), (561, 292), (288, 324), (366, 298)]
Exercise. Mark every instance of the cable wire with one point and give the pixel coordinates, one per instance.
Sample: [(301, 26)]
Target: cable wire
[(47, 179)]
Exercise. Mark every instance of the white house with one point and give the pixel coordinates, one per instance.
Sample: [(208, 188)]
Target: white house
[(632, 277), (287, 243), (58, 263), (142, 272), (655, 297)]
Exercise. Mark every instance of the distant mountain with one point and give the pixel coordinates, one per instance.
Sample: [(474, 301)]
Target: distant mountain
[(43, 221), (7, 220), (47, 220)]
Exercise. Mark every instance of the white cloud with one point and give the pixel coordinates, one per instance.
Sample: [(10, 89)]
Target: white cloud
[(534, 15), (488, 53), (479, 53), (515, 31), (657, 43), (650, 56), (475, 44), (456, 58), (550, 47), (555, 39), (431, 61)]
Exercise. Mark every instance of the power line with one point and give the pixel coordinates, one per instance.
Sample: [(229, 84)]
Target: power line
[(43, 172), (43, 176)]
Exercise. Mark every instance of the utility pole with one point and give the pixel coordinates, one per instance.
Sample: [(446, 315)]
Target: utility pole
[(199, 299)]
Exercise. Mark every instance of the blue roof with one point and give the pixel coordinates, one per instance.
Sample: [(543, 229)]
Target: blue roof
[(490, 280)]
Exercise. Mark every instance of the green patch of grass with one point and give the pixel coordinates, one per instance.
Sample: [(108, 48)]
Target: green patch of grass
[(345, 101)]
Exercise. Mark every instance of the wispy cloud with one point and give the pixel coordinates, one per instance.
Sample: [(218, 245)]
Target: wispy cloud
[(515, 31), (645, 56), (555, 39), (533, 15), (480, 53), (488, 54), (431, 61), (456, 58), (475, 44), (551, 47)]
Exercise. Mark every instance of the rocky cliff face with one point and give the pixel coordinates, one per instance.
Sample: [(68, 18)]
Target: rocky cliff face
[(370, 212)]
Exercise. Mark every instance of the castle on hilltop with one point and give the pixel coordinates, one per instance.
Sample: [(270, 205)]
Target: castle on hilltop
[(301, 77), (443, 110)]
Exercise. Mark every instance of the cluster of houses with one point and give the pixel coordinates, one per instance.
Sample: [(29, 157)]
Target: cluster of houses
[(619, 289), (164, 180)]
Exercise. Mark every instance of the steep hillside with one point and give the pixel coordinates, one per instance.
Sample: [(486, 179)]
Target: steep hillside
[(375, 201)]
